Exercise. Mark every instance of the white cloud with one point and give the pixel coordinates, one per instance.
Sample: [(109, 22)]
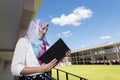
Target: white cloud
[(118, 34), (105, 37), (73, 18), (83, 46), (64, 34)]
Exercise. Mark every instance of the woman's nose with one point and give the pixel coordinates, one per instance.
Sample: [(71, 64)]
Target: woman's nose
[(44, 31)]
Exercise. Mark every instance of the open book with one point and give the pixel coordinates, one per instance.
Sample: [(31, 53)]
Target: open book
[(57, 50)]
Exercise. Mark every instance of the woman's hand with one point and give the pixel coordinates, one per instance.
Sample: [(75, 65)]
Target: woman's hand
[(68, 53), (50, 65), (44, 68)]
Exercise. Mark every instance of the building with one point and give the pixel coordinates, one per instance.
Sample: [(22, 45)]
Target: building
[(15, 16), (108, 53)]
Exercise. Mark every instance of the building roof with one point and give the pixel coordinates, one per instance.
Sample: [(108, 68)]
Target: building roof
[(15, 16), (96, 46)]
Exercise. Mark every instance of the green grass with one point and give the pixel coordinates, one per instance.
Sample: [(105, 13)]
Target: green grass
[(91, 72)]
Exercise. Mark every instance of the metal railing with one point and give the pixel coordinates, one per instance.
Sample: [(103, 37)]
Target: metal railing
[(67, 73)]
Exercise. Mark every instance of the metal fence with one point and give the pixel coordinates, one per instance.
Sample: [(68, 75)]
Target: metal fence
[(67, 73)]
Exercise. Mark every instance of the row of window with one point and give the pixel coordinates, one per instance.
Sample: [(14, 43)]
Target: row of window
[(95, 52)]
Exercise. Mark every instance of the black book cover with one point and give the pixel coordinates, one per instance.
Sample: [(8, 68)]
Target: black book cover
[(57, 50)]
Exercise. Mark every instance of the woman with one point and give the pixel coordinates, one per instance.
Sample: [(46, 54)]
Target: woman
[(25, 63)]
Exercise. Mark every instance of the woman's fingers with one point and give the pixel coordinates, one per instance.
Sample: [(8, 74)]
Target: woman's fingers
[(68, 53), (52, 63)]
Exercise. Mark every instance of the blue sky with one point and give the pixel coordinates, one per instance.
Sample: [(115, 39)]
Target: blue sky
[(81, 23)]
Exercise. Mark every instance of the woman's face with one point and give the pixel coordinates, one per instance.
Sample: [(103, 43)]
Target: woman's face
[(43, 31)]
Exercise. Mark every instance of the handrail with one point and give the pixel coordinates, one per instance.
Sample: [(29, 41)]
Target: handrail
[(67, 73)]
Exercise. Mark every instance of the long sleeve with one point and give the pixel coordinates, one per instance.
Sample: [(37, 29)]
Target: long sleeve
[(18, 61)]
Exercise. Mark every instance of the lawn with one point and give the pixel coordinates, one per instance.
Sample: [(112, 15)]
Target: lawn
[(91, 72)]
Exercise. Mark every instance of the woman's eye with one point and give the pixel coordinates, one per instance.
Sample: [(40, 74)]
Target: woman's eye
[(43, 28)]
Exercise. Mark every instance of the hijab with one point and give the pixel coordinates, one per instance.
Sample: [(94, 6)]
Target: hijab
[(38, 43)]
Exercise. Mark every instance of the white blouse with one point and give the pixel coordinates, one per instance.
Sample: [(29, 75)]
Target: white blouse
[(23, 56)]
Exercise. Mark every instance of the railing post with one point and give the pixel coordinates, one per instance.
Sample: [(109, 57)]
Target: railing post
[(66, 76), (57, 74)]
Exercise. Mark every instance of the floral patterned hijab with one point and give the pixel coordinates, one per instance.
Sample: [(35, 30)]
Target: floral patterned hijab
[(38, 43)]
